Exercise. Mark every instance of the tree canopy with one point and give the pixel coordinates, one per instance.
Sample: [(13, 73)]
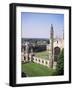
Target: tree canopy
[(60, 63)]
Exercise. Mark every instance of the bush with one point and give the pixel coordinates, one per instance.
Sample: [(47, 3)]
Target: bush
[(23, 74), (60, 64)]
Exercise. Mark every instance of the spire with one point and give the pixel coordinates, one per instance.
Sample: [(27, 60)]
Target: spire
[(51, 32), (63, 34), (51, 26)]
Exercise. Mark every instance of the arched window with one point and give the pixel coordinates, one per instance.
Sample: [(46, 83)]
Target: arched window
[(46, 62), (24, 58), (39, 60), (42, 61), (56, 53)]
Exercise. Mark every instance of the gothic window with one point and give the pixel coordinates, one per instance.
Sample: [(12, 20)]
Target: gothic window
[(57, 41), (46, 62), (42, 61), (24, 58), (56, 53), (39, 60)]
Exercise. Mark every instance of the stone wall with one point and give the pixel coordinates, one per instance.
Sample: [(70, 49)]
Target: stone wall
[(35, 59), (41, 61)]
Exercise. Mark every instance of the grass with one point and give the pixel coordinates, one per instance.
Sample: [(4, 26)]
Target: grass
[(33, 69), (43, 55)]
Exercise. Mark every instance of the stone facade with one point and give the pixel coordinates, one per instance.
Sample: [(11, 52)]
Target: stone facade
[(51, 48)]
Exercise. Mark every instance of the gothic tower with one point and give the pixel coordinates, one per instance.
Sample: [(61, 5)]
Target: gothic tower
[(51, 42)]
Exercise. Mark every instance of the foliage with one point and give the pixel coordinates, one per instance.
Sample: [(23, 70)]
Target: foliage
[(60, 63)]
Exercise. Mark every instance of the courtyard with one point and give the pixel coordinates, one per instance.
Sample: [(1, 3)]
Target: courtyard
[(43, 54), (33, 69)]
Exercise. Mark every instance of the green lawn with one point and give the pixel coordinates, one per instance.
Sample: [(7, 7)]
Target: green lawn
[(34, 69), (43, 55)]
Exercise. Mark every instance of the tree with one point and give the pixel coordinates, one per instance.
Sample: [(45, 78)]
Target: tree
[(60, 63)]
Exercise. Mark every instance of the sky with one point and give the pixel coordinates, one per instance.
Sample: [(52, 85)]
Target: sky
[(38, 25)]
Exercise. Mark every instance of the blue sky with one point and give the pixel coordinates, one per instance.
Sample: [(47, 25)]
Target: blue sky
[(37, 25)]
